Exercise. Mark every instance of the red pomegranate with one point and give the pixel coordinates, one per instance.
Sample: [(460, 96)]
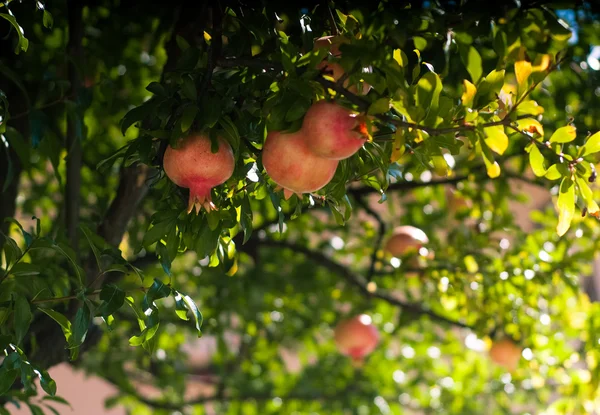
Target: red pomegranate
[(506, 354), (333, 132), (404, 239), (356, 337), (194, 166), (291, 164)]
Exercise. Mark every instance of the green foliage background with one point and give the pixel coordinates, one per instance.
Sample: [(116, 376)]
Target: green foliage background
[(464, 98)]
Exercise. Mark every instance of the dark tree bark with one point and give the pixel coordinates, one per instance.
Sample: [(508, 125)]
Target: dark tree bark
[(75, 123)]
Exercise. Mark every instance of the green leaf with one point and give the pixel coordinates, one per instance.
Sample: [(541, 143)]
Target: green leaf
[(182, 43), (157, 290), (51, 409), (379, 106), (188, 116), (163, 255), (156, 232), (489, 86), (7, 378), (232, 134), (188, 88), (18, 143), (564, 134), (47, 19), (553, 173), (113, 299), (195, 312), (23, 43), (137, 340), (496, 138), (587, 194), (180, 306), (138, 313), (5, 340), (428, 92), (246, 217), (536, 160), (157, 89), (592, 145), (88, 235), (566, 206), (57, 399), (472, 60), (47, 383), (137, 114), (83, 318), (63, 321), (492, 167), (35, 410), (21, 269), (23, 317)]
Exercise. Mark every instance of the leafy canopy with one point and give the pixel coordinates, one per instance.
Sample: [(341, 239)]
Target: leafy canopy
[(470, 109)]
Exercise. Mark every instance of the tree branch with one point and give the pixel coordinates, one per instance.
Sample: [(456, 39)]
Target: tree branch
[(362, 191), (380, 234), (359, 282), (74, 124), (161, 404)]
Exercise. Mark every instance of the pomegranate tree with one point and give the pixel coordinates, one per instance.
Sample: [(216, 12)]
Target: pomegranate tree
[(293, 166), (333, 132), (193, 165), (356, 337)]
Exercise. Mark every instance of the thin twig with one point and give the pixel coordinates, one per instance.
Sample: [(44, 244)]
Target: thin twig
[(331, 18)]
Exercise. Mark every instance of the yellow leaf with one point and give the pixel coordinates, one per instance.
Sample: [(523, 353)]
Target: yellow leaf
[(530, 107), (418, 136), (493, 170), (541, 63), (522, 71), (531, 125), (398, 148), (566, 206), (564, 134), (469, 94), (207, 37), (496, 138), (440, 166), (400, 57)]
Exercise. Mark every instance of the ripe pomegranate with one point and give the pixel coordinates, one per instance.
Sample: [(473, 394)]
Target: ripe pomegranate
[(194, 166), (356, 337), (506, 354), (293, 166), (333, 132), (405, 239), (334, 69)]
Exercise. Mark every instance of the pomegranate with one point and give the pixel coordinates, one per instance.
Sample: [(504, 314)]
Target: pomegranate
[(194, 166), (356, 337), (333, 132), (405, 239), (291, 164), (506, 354), (334, 69)]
